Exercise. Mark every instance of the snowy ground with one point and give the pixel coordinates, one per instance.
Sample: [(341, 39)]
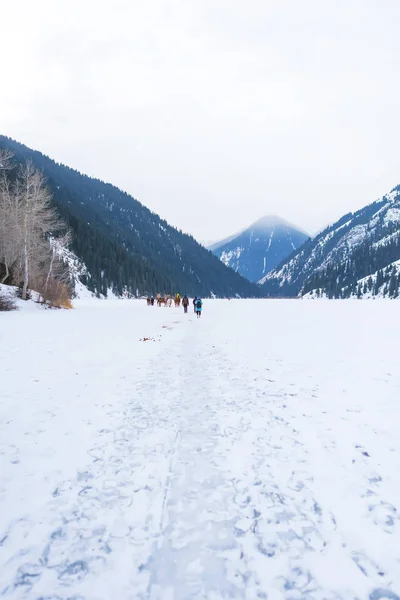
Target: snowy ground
[(251, 454)]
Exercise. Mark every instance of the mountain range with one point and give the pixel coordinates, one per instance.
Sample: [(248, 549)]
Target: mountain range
[(255, 251), (122, 246), (358, 256)]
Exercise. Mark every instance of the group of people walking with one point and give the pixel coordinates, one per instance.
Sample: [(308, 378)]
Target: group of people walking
[(160, 300)]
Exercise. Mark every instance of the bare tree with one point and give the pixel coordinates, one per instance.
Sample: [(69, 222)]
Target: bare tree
[(39, 219), (32, 237), (9, 229), (58, 269), (9, 215), (5, 160)]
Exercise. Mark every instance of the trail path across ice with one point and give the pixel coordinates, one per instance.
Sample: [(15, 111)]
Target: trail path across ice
[(251, 454)]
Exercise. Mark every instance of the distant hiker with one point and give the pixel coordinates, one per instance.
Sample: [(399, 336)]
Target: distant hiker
[(198, 306), (185, 303), (194, 303)]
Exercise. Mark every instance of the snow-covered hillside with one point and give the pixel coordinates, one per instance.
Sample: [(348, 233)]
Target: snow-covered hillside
[(132, 467), (77, 271), (343, 257), (259, 248)]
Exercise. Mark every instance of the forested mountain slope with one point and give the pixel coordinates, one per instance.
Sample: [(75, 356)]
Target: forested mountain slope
[(358, 255), (124, 246), (259, 248)]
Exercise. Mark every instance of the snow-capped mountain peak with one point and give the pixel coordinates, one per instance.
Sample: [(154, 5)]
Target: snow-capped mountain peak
[(255, 251)]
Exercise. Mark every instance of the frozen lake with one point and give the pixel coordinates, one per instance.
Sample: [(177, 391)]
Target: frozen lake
[(254, 453)]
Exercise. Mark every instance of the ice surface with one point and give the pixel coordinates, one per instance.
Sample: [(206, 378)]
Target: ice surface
[(253, 453)]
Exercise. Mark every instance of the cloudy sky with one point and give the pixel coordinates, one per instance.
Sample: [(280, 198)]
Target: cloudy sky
[(216, 112)]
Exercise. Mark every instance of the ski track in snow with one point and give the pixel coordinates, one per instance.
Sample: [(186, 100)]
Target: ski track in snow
[(251, 454)]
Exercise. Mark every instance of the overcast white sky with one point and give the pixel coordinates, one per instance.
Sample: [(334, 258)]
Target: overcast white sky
[(212, 113)]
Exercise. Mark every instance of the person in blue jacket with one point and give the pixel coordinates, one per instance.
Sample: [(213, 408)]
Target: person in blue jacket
[(198, 307)]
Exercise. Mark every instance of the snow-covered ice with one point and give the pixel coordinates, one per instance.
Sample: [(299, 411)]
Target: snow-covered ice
[(253, 453)]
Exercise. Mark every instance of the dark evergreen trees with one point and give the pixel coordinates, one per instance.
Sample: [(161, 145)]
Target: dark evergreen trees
[(125, 246)]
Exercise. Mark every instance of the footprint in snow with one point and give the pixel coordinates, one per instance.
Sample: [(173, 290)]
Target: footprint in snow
[(384, 515), (382, 594)]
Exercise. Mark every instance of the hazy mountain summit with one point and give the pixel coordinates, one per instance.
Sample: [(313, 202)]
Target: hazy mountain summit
[(257, 250)]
